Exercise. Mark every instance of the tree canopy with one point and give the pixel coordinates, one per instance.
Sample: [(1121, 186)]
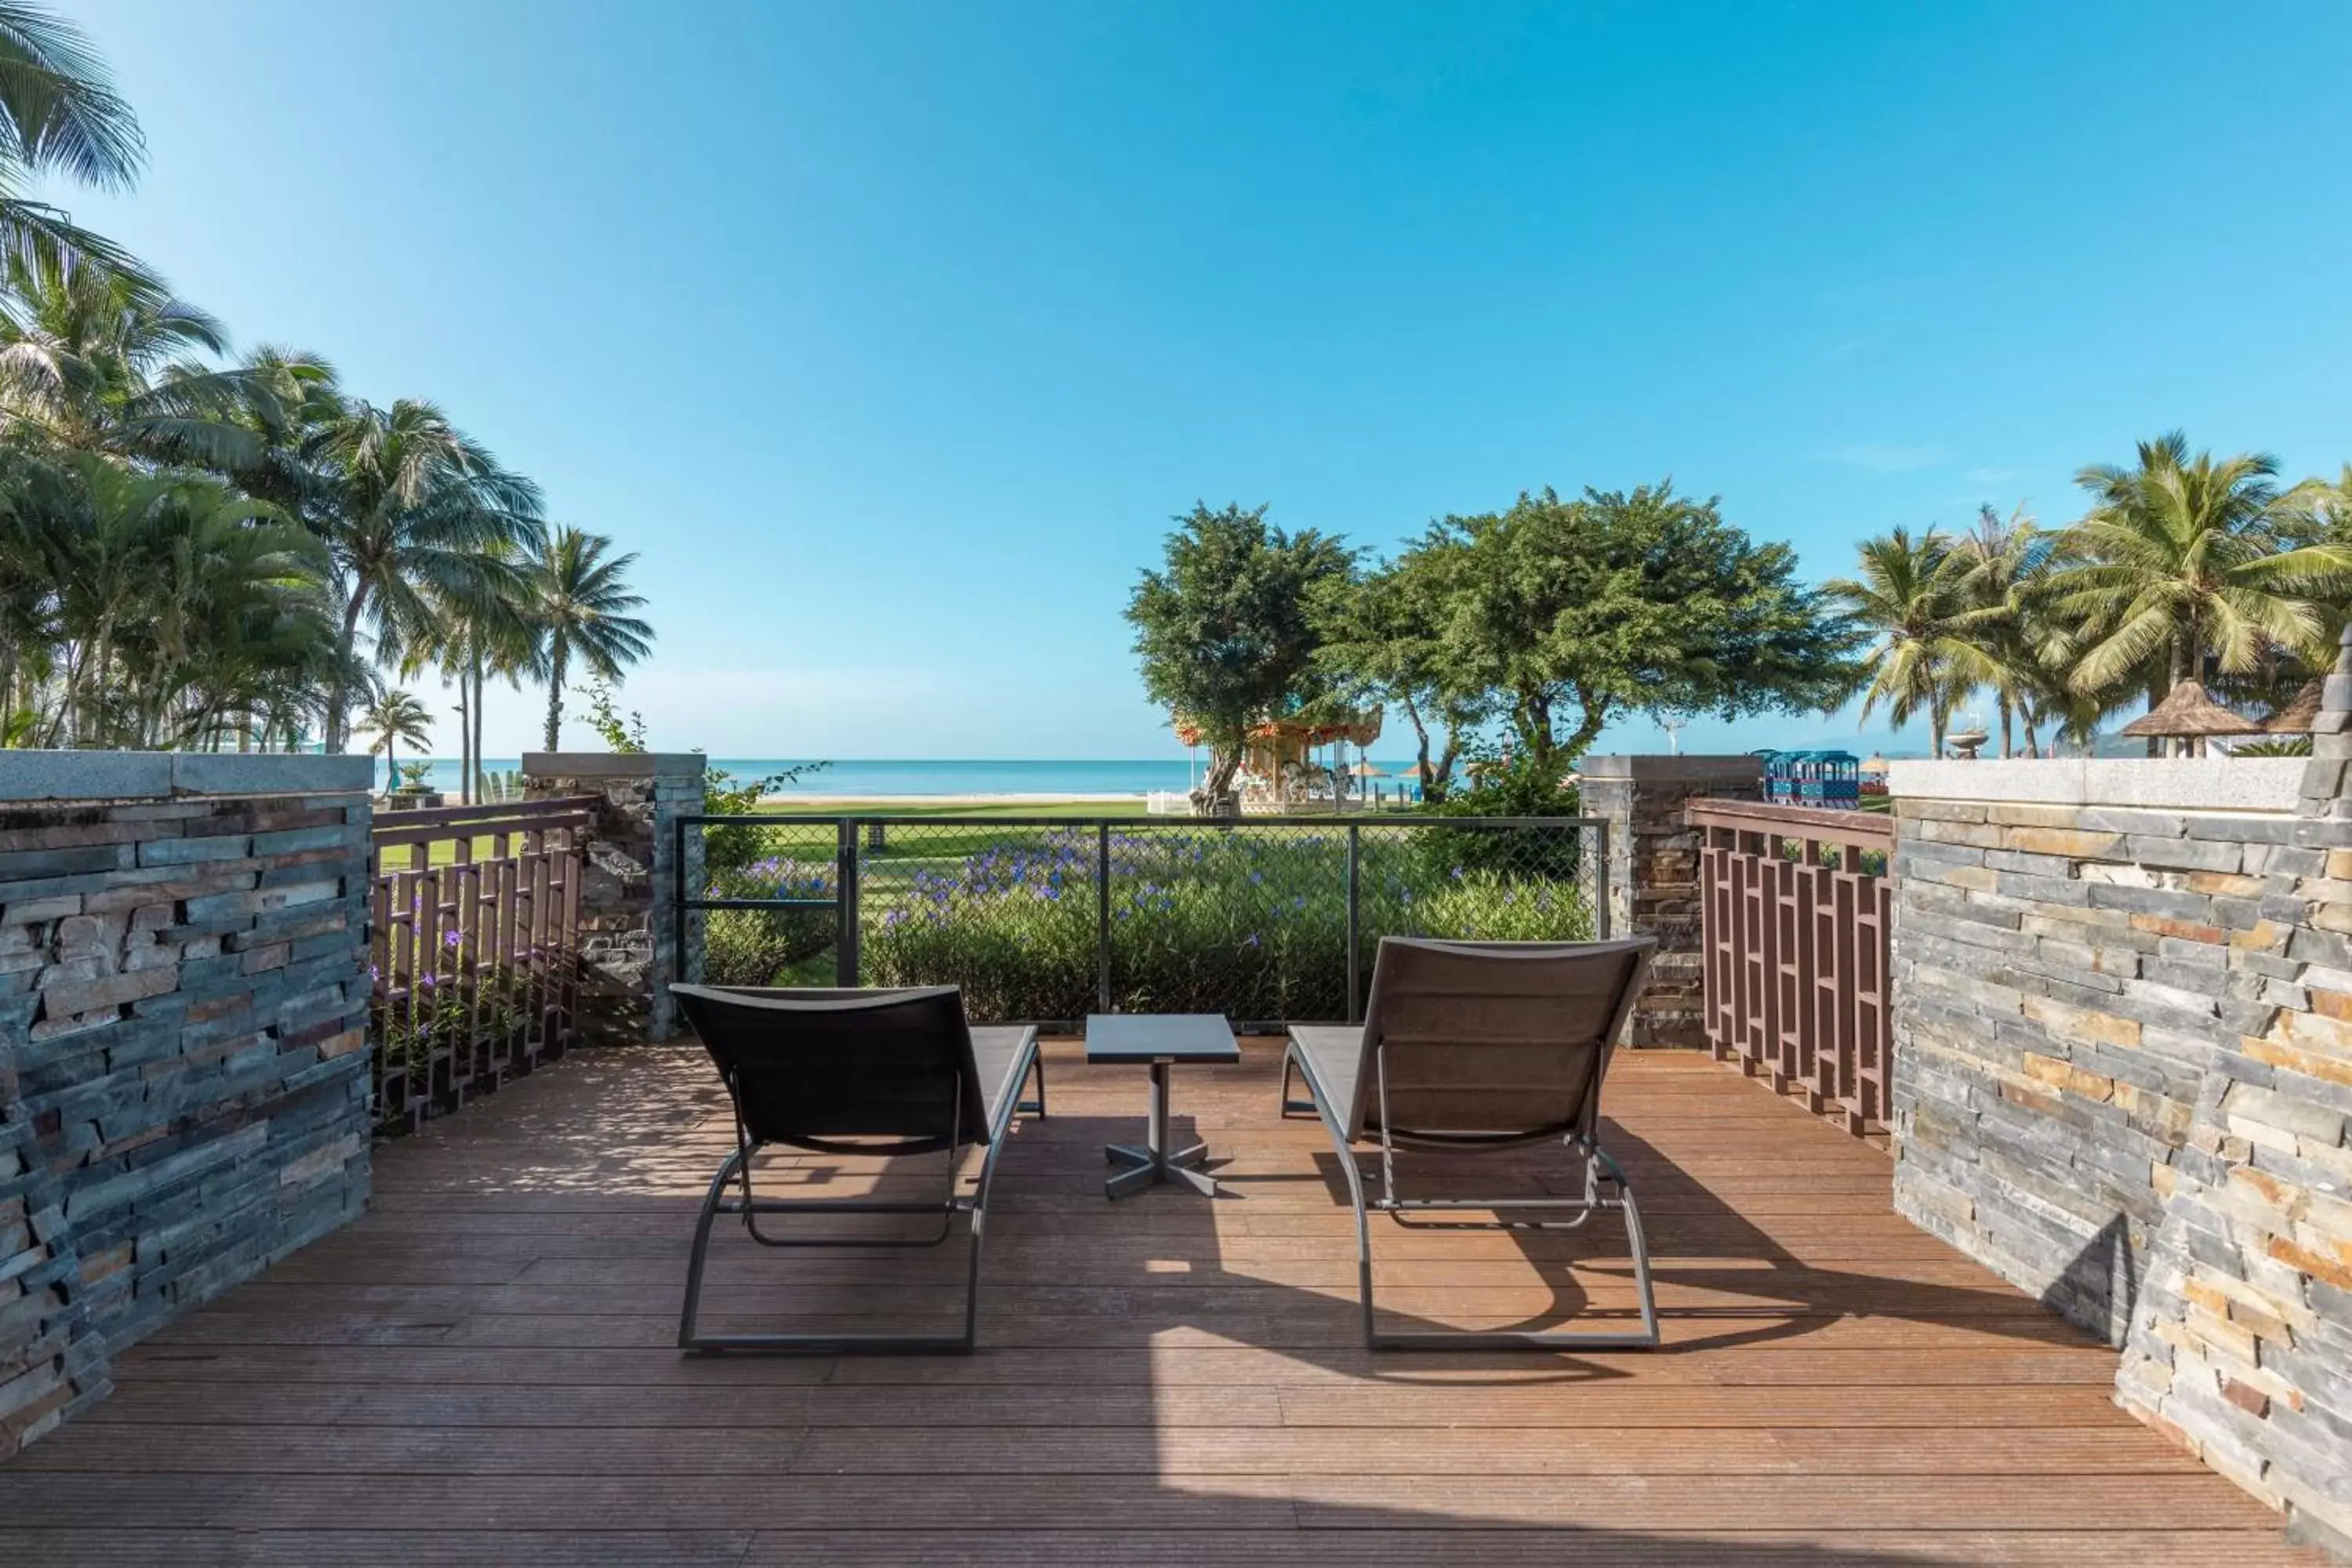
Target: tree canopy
[(1562, 615), (1223, 629), (199, 550)]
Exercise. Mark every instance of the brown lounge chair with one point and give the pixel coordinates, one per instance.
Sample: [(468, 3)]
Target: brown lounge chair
[(858, 1073), (1469, 1045)]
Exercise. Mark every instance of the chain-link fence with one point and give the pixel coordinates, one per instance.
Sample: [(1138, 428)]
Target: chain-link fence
[(1047, 919)]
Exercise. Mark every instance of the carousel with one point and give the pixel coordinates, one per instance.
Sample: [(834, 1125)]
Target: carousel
[(1298, 764)]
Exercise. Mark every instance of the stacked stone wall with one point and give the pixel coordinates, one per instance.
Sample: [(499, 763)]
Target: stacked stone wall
[(2124, 1078), (184, 1078), (629, 948), (1654, 874)]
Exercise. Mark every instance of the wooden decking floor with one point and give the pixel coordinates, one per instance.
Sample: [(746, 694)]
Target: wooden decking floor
[(480, 1369)]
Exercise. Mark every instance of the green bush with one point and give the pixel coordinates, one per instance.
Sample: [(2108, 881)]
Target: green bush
[(769, 947), (1249, 922), (1513, 790)]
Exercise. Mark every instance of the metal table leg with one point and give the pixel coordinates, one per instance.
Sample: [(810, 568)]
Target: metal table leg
[(1155, 1162)]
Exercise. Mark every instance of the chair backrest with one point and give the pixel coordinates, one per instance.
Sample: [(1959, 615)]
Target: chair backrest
[(814, 1068), (1489, 1041)]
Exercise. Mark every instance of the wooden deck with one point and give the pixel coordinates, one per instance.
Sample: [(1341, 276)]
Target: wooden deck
[(480, 1372)]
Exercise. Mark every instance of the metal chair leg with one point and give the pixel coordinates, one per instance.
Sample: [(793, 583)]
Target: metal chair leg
[(1477, 1339), (691, 1339)]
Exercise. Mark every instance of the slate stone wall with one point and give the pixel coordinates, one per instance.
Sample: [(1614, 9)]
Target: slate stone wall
[(1654, 874), (629, 952), (2123, 1080), (184, 1079)]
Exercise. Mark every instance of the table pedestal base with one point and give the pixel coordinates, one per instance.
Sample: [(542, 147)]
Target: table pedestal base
[(1155, 1162)]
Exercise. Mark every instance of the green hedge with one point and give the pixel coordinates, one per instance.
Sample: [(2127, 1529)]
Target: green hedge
[(1249, 922)]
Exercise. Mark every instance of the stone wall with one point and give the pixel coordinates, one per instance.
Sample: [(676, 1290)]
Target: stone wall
[(183, 1080), (2123, 1076), (629, 951), (1654, 874)]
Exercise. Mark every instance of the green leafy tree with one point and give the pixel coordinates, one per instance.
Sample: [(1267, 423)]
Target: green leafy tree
[(147, 608), (2187, 568), (60, 115), (394, 718), (1570, 613), (1912, 595), (578, 607), (1224, 630), (416, 514), (97, 364), (2003, 626), (1383, 645)]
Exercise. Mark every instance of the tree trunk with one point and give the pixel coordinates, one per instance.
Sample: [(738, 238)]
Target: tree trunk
[(465, 745), (1587, 728), (1439, 783), (478, 722), (1531, 716), (1420, 742), (1224, 761), (2007, 713), (339, 697), (559, 659)]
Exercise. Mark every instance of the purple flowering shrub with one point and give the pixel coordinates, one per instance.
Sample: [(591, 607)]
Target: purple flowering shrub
[(769, 947), (1250, 924)]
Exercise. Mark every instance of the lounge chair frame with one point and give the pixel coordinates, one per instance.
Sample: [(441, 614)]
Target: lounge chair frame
[(736, 1170), (1580, 1136)]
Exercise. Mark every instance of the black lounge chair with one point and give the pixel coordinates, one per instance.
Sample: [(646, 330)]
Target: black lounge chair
[(1471, 1046), (857, 1073)]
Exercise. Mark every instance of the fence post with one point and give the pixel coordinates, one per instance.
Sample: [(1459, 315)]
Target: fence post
[(685, 824), (1355, 934), (1102, 917), (1600, 881), (1651, 876), (845, 876)]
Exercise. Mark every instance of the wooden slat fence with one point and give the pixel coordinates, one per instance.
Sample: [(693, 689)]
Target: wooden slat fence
[(1794, 923), (474, 933)]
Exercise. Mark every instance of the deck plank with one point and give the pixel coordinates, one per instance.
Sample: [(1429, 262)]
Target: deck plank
[(480, 1369)]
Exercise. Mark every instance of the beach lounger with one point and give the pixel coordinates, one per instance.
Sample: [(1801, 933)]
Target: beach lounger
[(1480, 1045), (856, 1073)]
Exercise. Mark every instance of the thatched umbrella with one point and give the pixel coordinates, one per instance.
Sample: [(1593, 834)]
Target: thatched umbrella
[(2300, 712), (2187, 714)]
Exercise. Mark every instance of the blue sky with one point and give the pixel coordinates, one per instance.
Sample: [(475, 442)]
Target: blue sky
[(891, 335)]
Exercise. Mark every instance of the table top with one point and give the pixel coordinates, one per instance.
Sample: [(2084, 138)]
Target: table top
[(1160, 1038)]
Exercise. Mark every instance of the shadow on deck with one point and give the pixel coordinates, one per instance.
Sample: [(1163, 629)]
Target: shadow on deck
[(480, 1371)]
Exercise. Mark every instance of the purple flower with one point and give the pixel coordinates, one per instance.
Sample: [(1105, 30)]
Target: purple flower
[(452, 938)]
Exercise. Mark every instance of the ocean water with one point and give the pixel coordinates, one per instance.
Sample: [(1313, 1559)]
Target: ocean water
[(894, 777)]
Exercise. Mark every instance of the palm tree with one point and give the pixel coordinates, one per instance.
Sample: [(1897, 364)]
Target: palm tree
[(580, 605), (395, 716), (147, 608), (1913, 593), (94, 363), (2184, 569), (416, 513), (60, 115), (469, 640), (2005, 564)]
